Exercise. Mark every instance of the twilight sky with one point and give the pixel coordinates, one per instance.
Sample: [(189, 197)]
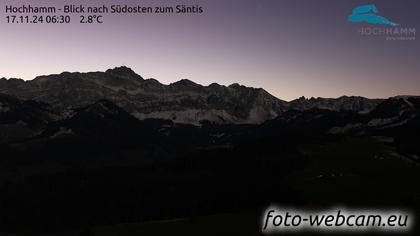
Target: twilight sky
[(291, 48)]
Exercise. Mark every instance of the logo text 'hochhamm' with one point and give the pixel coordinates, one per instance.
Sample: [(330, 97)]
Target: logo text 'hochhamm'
[(380, 26)]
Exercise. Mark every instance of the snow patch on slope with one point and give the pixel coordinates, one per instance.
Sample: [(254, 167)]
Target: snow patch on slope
[(191, 116)]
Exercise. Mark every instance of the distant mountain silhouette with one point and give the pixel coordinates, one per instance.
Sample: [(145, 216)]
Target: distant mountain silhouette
[(353, 103), (182, 102)]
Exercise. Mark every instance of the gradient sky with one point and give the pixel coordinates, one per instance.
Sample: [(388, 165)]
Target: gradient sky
[(291, 48)]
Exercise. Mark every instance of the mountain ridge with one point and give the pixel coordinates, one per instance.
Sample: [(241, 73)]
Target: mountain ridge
[(183, 101)]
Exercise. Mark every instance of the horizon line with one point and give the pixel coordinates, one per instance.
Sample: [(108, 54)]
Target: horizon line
[(225, 85)]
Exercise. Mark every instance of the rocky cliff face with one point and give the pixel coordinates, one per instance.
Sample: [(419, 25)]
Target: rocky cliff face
[(344, 103), (182, 102)]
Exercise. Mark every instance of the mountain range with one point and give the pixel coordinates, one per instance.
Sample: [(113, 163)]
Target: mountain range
[(108, 148), (182, 102), (120, 103)]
